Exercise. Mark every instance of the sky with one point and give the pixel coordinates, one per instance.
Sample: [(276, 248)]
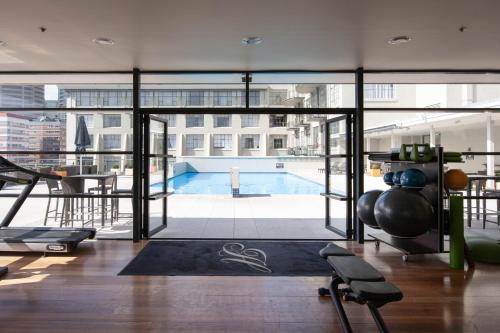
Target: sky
[(51, 92)]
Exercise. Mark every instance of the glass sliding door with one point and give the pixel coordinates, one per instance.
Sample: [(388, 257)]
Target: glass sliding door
[(338, 175), (155, 166)]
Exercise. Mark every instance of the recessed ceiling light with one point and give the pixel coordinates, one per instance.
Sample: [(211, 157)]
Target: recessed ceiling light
[(399, 40), (103, 41), (251, 40), (3, 43)]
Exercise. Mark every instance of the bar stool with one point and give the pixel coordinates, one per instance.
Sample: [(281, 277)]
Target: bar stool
[(72, 206), (486, 211), (109, 187), (54, 188)]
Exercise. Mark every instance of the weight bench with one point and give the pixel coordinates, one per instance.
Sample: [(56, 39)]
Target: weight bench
[(365, 284)]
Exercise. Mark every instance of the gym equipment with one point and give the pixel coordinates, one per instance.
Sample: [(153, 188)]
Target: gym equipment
[(421, 155), (41, 239), (403, 213), (455, 180), (365, 208), (365, 284), (403, 153), (483, 249), (396, 179), (432, 240), (456, 225), (388, 178), (413, 179)]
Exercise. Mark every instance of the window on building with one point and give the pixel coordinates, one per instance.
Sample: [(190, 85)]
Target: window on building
[(110, 98), (86, 98), (111, 120), (279, 143), (171, 119), (195, 97), (277, 120), (222, 141), (379, 92), (111, 162), (147, 98), (335, 127), (254, 98), (250, 120), (171, 141), (89, 120), (223, 98), (194, 120), (167, 98), (222, 120), (194, 141), (111, 141), (250, 141)]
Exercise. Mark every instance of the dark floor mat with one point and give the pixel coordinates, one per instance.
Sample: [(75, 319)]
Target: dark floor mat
[(229, 258)]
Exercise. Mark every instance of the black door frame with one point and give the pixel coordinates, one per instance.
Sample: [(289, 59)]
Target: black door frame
[(330, 195)]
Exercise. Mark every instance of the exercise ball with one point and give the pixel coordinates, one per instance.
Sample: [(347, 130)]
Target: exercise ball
[(396, 179), (403, 213), (365, 206), (455, 179), (430, 192), (388, 178), (413, 179)]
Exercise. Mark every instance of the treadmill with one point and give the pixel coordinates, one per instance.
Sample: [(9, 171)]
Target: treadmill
[(38, 239)]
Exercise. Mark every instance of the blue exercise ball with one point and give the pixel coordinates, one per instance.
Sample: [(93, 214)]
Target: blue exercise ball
[(396, 179), (365, 208), (403, 213), (388, 178), (413, 179)]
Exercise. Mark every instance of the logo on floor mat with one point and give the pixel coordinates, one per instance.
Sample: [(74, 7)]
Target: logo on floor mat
[(237, 253)]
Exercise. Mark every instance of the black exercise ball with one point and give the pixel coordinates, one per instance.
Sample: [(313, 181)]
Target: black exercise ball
[(403, 213), (430, 192), (365, 206)]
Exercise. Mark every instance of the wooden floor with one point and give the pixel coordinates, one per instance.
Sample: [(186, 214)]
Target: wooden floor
[(82, 293)]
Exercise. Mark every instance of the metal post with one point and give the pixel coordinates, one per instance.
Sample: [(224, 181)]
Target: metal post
[(247, 90), (348, 152), (165, 171), (146, 168), (359, 154), (137, 154)]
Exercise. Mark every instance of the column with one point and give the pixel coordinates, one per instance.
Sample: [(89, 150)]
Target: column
[(432, 135), (395, 141), (236, 144), (490, 147), (368, 149)]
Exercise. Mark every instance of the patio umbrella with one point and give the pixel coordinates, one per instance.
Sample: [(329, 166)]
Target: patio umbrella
[(82, 138)]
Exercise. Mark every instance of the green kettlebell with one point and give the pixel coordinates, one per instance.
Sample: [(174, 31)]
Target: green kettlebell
[(403, 153), (421, 155)]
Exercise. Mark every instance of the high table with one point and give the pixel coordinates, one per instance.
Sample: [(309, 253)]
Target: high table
[(101, 180), (478, 179)]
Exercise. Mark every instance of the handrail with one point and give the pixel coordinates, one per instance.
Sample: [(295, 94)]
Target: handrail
[(336, 196)]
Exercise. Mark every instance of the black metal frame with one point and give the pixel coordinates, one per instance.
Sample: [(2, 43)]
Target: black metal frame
[(329, 195), (147, 196), (357, 112)]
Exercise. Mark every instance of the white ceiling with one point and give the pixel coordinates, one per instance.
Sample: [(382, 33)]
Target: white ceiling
[(206, 34)]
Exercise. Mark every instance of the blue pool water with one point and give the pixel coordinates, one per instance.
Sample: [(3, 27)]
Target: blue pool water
[(250, 183)]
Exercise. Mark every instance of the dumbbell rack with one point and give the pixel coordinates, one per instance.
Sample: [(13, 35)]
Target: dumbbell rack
[(433, 240)]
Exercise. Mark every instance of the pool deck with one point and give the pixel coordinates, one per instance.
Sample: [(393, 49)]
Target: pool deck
[(221, 216)]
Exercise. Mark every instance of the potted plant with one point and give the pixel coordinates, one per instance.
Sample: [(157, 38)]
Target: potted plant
[(129, 170), (115, 168), (60, 171)]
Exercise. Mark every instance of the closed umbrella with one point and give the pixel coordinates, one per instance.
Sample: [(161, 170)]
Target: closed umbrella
[(82, 138)]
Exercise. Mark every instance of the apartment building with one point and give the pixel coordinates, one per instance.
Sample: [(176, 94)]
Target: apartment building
[(188, 134)]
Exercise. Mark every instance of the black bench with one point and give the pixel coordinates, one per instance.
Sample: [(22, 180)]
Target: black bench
[(365, 284)]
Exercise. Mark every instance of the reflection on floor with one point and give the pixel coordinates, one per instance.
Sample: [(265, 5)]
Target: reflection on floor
[(81, 292)]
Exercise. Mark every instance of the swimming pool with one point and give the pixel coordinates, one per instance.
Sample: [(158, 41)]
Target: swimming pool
[(250, 183)]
